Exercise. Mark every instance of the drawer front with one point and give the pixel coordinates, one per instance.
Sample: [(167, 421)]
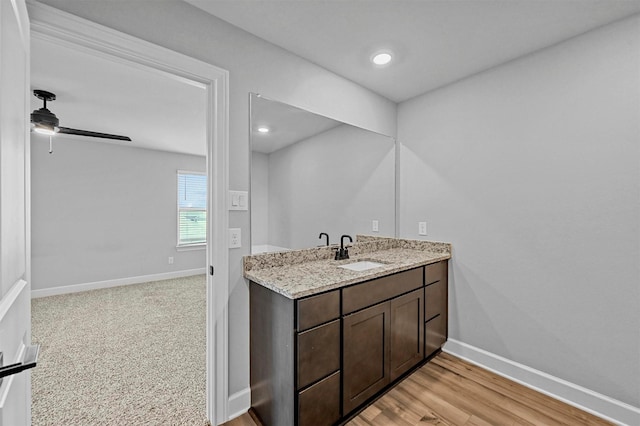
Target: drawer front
[(367, 294), (435, 299), (316, 310), (435, 334), (435, 272), (319, 405), (318, 353)]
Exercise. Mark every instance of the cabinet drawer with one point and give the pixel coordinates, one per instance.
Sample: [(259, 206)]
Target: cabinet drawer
[(319, 405), (435, 299), (319, 309), (435, 331), (435, 272), (367, 294), (318, 353)]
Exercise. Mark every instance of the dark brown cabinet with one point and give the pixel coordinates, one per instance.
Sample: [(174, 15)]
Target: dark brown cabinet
[(369, 293), (320, 403), (366, 354), (380, 344), (317, 359), (435, 307), (435, 334), (318, 353), (407, 328), (295, 358)]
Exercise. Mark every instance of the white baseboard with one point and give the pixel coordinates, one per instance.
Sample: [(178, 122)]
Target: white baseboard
[(75, 288), (239, 403), (595, 403)]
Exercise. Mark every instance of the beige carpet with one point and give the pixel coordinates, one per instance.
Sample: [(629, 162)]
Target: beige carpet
[(131, 355)]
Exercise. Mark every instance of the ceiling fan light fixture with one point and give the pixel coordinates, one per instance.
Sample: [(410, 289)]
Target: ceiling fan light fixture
[(45, 129), (45, 122), (382, 58)]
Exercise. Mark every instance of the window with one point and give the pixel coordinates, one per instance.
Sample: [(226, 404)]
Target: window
[(192, 208)]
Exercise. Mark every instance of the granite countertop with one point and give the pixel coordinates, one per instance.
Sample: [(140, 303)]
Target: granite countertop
[(301, 273)]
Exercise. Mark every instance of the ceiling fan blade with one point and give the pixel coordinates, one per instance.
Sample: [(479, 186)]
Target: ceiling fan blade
[(69, 131)]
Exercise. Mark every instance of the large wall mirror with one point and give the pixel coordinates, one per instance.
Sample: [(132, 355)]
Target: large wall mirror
[(312, 174)]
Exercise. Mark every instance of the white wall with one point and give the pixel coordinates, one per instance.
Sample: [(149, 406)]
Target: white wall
[(335, 182), (532, 171), (254, 66), (103, 212), (259, 198)]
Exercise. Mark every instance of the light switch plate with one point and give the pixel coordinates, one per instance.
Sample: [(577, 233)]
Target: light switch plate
[(235, 238), (238, 200), (374, 226)]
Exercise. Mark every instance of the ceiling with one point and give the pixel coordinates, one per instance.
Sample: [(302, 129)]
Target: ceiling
[(287, 124), (435, 42), (156, 110)]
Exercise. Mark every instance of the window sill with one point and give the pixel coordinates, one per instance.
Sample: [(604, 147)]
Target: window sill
[(190, 247)]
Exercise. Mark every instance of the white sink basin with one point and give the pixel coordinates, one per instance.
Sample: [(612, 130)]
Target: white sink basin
[(363, 265)]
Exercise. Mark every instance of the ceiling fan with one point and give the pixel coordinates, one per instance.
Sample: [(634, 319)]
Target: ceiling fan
[(46, 123)]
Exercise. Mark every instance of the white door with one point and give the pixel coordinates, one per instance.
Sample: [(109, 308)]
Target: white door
[(15, 288)]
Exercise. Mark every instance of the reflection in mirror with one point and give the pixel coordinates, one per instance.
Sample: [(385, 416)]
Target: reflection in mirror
[(311, 174)]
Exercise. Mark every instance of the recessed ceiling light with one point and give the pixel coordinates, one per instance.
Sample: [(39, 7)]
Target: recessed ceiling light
[(381, 58), (263, 129)]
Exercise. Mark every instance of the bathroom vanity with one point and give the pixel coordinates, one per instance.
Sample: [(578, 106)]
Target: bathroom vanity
[(326, 341)]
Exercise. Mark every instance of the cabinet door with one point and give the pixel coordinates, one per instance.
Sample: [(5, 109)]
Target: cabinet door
[(407, 331), (366, 354)]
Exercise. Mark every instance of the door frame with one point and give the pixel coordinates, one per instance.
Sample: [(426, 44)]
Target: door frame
[(54, 25)]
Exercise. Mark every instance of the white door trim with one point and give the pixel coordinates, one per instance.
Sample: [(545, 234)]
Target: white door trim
[(56, 26)]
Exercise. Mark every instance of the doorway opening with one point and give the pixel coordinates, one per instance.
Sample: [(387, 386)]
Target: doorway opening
[(49, 25)]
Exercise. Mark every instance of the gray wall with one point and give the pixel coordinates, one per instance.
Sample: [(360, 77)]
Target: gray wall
[(254, 66), (259, 198), (102, 212), (532, 171), (335, 182)]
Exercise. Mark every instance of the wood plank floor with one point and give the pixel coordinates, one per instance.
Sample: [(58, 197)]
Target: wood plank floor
[(450, 391)]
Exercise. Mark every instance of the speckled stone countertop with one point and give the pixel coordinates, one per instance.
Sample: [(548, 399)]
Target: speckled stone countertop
[(300, 273)]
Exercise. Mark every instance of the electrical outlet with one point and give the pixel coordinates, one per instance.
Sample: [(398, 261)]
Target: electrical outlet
[(170, 260), (374, 225), (422, 228), (235, 238)]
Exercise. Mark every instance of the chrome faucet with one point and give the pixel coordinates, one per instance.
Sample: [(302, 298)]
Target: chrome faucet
[(343, 252)]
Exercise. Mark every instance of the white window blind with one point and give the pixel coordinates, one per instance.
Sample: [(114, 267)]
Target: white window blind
[(192, 208)]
